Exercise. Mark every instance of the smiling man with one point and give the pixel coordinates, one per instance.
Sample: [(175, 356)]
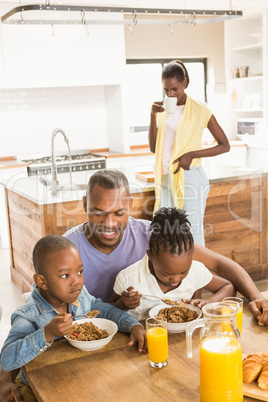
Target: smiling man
[(111, 240)]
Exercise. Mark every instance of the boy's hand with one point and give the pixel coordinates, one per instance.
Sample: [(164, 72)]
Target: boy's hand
[(195, 302), (8, 390), (138, 334), (60, 325), (130, 298)]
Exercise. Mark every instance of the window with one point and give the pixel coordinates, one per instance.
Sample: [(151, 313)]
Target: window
[(143, 86)]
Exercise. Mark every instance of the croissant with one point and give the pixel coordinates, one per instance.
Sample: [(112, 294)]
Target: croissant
[(263, 378), (252, 366)]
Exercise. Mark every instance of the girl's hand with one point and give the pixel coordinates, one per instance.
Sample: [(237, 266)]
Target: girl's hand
[(138, 334), (184, 162), (60, 325), (195, 302), (130, 298), (157, 107)]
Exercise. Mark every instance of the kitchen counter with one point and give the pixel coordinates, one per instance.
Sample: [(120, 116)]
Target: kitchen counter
[(31, 188), (143, 150), (11, 162), (235, 223), (134, 151)]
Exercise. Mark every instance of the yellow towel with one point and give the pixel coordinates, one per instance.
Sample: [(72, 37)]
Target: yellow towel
[(194, 120)]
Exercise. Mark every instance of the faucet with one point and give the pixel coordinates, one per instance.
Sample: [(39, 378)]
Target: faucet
[(54, 181)]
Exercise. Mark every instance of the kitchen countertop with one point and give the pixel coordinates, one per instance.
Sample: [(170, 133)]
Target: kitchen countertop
[(144, 150), (32, 189), (11, 162)]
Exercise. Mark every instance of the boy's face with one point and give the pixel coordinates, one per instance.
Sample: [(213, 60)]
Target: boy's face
[(63, 277), (170, 269), (108, 213)]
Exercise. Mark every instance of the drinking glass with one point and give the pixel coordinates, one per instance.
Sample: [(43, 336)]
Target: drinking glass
[(156, 330), (239, 315)]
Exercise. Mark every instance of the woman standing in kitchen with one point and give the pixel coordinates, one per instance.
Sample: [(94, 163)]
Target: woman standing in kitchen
[(175, 138)]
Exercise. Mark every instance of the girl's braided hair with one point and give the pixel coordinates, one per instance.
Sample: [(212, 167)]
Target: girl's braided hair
[(171, 232)]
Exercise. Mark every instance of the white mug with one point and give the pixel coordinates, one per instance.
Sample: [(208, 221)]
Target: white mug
[(170, 104)]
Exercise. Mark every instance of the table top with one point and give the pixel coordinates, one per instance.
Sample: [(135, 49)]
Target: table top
[(119, 372)]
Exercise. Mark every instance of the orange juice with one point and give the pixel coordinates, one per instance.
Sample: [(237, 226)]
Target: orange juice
[(221, 370), (157, 344), (239, 317)]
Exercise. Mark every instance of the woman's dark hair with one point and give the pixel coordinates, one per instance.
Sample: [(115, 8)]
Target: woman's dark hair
[(176, 69), (171, 232)]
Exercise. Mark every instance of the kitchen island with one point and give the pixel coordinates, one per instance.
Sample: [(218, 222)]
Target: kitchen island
[(236, 223)]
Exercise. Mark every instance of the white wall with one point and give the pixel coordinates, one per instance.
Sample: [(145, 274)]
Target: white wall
[(28, 118)]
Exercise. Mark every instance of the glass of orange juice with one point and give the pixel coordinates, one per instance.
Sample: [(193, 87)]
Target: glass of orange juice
[(239, 314), (157, 339)]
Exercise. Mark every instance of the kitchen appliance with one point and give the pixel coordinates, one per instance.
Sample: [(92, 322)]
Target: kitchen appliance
[(79, 163), (249, 126)]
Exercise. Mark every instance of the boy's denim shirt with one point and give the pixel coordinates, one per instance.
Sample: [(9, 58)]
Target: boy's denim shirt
[(26, 339)]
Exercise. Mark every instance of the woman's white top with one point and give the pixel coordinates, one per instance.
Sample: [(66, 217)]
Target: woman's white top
[(170, 132)]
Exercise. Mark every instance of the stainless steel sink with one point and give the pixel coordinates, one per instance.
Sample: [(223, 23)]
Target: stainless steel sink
[(72, 187), (63, 187)]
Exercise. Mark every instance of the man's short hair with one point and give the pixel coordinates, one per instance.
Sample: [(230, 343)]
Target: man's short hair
[(46, 246), (110, 179)]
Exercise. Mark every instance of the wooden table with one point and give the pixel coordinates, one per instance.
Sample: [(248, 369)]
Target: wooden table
[(118, 372)]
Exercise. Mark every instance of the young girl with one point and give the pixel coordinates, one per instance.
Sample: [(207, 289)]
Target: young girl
[(176, 140), (48, 314), (168, 270)]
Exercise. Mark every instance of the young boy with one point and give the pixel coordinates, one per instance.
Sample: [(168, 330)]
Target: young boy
[(59, 295), (167, 270)]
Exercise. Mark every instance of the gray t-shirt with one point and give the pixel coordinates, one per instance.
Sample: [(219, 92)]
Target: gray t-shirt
[(100, 269)]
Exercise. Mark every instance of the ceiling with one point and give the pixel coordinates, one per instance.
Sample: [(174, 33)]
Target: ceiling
[(179, 4), (246, 6)]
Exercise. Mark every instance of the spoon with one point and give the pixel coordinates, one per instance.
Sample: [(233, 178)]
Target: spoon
[(166, 301), (90, 314)]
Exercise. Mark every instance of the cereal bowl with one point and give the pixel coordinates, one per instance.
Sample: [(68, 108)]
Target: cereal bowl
[(101, 323), (175, 327)]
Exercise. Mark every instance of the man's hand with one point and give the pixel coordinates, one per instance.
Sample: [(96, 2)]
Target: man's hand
[(130, 298), (60, 325), (195, 302), (138, 334), (8, 390), (259, 308)]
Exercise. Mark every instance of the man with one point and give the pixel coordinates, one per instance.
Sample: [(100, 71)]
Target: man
[(111, 241)]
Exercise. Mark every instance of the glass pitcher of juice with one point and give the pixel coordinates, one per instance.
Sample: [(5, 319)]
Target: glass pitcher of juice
[(221, 376)]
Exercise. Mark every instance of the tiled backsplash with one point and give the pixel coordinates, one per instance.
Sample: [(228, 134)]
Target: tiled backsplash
[(29, 116)]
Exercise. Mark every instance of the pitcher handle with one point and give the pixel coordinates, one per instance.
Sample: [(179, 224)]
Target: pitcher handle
[(189, 332)]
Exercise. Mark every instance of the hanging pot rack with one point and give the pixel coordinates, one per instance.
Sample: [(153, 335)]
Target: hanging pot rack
[(175, 16)]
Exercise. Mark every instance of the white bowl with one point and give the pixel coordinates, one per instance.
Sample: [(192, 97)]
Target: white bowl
[(101, 323), (172, 326)]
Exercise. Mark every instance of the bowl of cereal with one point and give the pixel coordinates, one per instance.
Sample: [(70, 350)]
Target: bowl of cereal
[(91, 334), (178, 317)]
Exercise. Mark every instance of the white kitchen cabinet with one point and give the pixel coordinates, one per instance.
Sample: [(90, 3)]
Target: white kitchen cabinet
[(32, 57), (257, 157), (246, 45), (237, 156), (11, 176)]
